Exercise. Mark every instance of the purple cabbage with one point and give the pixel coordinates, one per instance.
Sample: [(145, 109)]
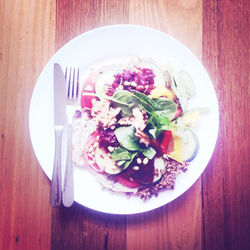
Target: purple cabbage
[(144, 79), (107, 138)]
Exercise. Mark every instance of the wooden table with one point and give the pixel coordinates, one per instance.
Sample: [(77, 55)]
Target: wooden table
[(212, 214)]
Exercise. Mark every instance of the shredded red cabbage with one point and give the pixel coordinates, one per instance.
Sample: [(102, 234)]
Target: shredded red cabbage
[(107, 138), (143, 79)]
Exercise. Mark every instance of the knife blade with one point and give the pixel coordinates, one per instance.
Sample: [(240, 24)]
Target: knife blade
[(59, 122)]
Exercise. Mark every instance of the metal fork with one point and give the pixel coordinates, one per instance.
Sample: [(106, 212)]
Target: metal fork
[(72, 80)]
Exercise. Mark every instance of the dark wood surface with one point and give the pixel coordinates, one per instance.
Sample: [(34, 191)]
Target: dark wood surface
[(212, 214), (226, 184)]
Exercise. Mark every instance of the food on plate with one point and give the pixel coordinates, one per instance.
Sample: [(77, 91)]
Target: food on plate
[(132, 128)]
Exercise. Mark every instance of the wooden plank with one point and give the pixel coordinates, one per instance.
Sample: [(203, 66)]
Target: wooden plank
[(166, 228), (27, 38), (75, 17), (179, 19), (226, 188), (81, 228), (91, 229), (173, 226)]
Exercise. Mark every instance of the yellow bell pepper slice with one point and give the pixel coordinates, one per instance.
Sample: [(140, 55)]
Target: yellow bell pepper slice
[(162, 91), (191, 118), (176, 154)]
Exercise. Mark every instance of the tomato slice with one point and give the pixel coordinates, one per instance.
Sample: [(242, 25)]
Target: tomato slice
[(165, 141), (87, 100), (126, 180), (178, 113), (86, 156), (156, 145), (88, 88), (137, 174)]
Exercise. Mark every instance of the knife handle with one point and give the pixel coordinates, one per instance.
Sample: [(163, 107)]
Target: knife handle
[(56, 183), (68, 187)]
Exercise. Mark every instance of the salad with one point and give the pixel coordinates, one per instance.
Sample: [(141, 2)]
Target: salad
[(132, 128)]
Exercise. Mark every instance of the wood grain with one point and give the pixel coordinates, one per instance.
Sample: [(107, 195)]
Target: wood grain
[(212, 214), (91, 230), (75, 17), (81, 228), (180, 19), (226, 189), (165, 228), (27, 42)]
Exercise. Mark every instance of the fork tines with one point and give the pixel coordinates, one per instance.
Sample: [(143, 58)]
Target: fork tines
[(72, 81)]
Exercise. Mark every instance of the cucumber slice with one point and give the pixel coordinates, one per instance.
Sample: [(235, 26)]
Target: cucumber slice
[(186, 81), (160, 167), (104, 161), (107, 77), (126, 137), (190, 144), (183, 86)]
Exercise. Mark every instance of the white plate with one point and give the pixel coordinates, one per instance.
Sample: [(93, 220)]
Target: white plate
[(118, 41)]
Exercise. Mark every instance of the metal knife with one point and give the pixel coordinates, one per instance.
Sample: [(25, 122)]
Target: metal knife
[(59, 122)]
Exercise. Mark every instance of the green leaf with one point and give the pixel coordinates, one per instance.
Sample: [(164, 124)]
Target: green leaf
[(120, 163), (127, 163), (157, 123), (126, 137), (124, 164), (123, 157), (165, 107), (148, 152), (124, 97), (125, 100), (162, 103), (120, 154), (146, 102), (161, 119)]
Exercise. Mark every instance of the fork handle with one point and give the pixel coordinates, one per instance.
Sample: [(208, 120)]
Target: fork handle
[(68, 187), (56, 183)]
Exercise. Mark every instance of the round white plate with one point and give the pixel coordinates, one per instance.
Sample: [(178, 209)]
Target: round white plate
[(118, 41)]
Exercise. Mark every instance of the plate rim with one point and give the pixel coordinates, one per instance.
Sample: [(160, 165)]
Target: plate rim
[(117, 26)]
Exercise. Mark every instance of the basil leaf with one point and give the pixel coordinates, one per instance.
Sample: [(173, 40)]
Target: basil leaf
[(120, 154), (162, 103), (124, 164), (125, 100), (126, 137), (158, 119), (161, 118), (120, 163), (123, 97), (146, 102), (127, 163), (157, 123), (148, 152), (165, 107)]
